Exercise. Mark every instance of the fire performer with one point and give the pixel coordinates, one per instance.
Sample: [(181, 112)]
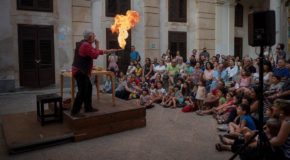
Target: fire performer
[(81, 71)]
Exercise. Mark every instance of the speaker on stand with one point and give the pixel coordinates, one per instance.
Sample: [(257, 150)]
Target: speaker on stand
[(261, 32)]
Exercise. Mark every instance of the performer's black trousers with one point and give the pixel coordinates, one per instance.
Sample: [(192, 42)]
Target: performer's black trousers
[(84, 94)]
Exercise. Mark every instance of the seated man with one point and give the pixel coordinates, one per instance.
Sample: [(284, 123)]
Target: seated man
[(281, 70)]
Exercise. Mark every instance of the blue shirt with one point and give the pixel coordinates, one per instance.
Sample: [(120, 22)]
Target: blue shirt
[(249, 122), (281, 72), (134, 56)]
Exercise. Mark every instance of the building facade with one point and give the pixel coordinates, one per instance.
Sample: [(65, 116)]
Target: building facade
[(38, 37)]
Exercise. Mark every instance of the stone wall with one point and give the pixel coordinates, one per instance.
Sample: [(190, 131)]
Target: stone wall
[(151, 26), (81, 18), (206, 11), (60, 18)]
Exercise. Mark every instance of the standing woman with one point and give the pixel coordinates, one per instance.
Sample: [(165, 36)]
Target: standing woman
[(196, 74), (148, 69), (208, 75)]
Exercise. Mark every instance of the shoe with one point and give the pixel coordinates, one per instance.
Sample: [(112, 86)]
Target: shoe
[(150, 106), (223, 128), (92, 110), (230, 136), (78, 115), (200, 113)]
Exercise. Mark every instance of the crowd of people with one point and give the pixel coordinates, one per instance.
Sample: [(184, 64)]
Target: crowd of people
[(223, 86)]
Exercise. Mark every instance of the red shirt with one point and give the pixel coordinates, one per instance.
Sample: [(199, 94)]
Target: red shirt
[(87, 50)]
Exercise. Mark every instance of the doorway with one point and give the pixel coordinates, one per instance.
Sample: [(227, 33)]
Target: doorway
[(36, 55)]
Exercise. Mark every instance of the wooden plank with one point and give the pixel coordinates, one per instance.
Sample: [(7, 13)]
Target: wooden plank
[(18, 132), (102, 130)]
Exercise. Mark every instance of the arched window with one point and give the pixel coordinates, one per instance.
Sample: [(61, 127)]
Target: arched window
[(239, 12)]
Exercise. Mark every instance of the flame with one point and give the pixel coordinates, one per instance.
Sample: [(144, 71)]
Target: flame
[(122, 24)]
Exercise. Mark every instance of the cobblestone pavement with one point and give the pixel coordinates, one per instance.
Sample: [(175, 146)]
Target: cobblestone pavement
[(169, 135)]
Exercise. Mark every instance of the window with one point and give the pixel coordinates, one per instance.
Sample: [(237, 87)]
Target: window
[(238, 47), (239, 11), (177, 10), (177, 42), (35, 5), (114, 7)]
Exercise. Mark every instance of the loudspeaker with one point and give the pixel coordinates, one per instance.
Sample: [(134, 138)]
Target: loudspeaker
[(261, 31)]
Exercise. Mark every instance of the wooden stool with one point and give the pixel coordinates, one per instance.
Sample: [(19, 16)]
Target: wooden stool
[(56, 115)]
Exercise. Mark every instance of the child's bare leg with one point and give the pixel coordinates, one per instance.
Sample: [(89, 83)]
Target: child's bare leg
[(174, 102), (170, 103), (232, 127)]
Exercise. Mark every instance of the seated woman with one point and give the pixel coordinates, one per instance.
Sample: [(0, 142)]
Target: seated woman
[(279, 137), (244, 82), (281, 108)]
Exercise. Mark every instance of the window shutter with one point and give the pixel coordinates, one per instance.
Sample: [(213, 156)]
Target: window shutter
[(45, 46), (111, 8), (27, 39), (239, 11), (182, 11), (44, 5), (172, 10), (123, 6), (177, 10), (35, 5)]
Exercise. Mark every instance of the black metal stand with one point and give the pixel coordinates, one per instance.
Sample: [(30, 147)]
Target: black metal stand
[(263, 140)]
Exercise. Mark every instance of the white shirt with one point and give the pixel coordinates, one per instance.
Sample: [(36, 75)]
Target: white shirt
[(232, 71), (160, 69)]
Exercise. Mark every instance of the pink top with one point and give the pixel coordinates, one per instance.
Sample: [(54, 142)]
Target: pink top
[(208, 74), (245, 81)]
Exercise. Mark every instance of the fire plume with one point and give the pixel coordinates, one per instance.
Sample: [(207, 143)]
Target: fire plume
[(122, 24)]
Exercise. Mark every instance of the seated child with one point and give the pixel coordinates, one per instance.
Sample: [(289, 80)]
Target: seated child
[(145, 99), (167, 97), (159, 93)]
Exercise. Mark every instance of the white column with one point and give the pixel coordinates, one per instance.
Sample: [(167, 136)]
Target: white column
[(276, 6), (231, 24)]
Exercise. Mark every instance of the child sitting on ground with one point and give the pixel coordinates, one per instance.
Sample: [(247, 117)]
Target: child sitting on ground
[(246, 120), (145, 99), (167, 97), (172, 98), (178, 98), (159, 93)]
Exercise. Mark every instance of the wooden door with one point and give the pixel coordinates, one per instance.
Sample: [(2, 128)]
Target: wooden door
[(123, 56), (238, 47), (36, 55), (177, 42)]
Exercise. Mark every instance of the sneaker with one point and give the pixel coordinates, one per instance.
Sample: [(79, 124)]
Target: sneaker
[(223, 128), (78, 115), (92, 110), (150, 106)]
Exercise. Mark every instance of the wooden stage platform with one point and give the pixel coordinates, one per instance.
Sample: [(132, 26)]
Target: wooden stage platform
[(22, 131)]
